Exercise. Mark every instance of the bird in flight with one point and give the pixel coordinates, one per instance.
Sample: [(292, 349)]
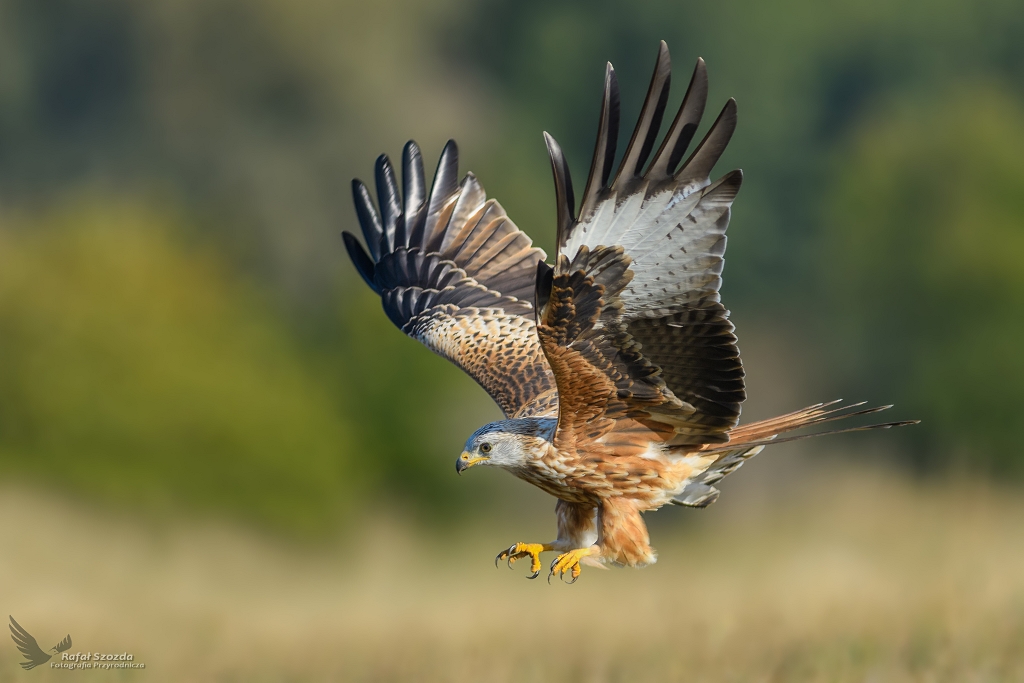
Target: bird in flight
[(28, 646), (616, 367)]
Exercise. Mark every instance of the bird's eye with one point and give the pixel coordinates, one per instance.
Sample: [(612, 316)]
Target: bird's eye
[(485, 448)]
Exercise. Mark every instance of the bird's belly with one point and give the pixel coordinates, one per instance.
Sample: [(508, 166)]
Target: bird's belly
[(563, 486), (591, 477)]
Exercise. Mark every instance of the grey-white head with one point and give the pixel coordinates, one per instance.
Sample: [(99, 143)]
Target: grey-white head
[(507, 443)]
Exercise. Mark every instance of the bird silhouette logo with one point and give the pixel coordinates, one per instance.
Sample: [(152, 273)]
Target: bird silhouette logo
[(30, 648)]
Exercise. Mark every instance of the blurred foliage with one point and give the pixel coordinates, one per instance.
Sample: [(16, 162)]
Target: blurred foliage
[(867, 120), (924, 250), (257, 111), (414, 412), (140, 370)]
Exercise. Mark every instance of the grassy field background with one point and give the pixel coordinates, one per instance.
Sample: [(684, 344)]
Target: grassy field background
[(842, 574)]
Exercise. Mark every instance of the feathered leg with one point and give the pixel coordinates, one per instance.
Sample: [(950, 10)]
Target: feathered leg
[(622, 540)]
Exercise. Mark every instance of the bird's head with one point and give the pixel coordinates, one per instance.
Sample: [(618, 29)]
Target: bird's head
[(508, 443)]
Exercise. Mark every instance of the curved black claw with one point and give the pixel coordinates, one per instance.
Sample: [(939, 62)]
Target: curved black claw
[(572, 569), (519, 551), (506, 555)]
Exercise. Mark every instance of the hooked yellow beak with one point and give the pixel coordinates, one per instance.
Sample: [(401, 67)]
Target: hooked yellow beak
[(466, 460)]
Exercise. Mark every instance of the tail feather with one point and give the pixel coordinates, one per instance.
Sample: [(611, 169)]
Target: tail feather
[(772, 440), (767, 431), (786, 422), (748, 440)]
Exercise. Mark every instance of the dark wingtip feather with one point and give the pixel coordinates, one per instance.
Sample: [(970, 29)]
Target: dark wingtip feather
[(545, 278), (450, 157), (446, 179), (607, 141), (649, 123), (729, 183), (360, 259), (663, 65), (684, 126), (369, 220), (446, 183), (564, 198), (414, 194), (614, 115), (698, 167), (390, 201)]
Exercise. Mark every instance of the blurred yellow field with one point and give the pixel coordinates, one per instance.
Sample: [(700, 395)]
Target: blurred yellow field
[(844, 575)]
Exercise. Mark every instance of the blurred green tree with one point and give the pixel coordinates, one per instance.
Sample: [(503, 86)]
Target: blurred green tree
[(140, 370), (414, 411), (924, 261)]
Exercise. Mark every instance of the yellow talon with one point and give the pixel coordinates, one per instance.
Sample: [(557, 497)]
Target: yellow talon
[(518, 551), (568, 562)]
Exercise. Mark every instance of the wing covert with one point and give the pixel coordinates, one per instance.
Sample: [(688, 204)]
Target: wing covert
[(606, 383), (455, 273)]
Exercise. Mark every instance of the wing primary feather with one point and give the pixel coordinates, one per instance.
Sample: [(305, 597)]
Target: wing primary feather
[(680, 135), (545, 278), (362, 260), (564, 199), (415, 195), (607, 140), (698, 167), (445, 185), (390, 202), (649, 124), (369, 220)]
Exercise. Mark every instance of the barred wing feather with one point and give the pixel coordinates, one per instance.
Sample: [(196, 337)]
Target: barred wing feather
[(455, 273)]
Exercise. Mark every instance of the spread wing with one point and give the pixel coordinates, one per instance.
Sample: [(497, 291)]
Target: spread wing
[(28, 646), (633, 315), (454, 272)]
